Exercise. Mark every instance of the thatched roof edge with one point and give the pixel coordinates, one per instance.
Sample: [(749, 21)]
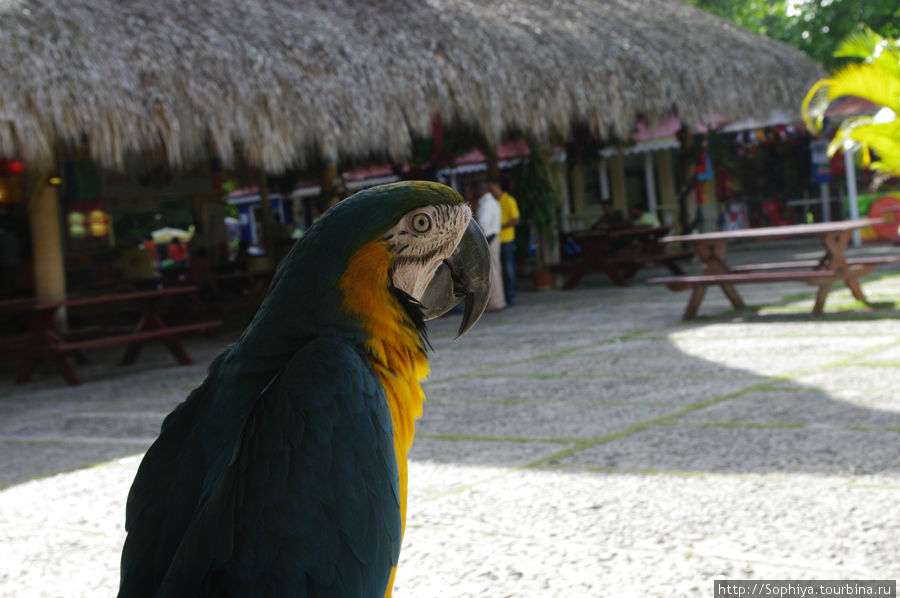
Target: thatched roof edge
[(288, 81)]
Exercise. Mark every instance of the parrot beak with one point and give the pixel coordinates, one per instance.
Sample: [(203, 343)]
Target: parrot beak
[(466, 274)]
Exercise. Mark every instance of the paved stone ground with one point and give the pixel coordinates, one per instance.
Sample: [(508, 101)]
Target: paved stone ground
[(582, 443)]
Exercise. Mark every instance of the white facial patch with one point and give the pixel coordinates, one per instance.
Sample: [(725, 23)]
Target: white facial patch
[(421, 240)]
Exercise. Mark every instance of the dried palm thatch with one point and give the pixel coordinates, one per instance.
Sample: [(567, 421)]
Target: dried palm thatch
[(287, 80)]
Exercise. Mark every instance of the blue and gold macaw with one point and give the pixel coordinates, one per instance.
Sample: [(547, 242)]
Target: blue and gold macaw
[(284, 473)]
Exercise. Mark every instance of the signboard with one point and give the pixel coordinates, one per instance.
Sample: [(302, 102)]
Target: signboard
[(821, 164)]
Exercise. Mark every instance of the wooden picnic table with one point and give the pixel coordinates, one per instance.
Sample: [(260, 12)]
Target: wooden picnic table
[(712, 249), (620, 253), (41, 342)]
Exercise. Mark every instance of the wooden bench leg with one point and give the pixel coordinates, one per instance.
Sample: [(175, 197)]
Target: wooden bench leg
[(25, 369), (629, 271), (65, 368), (575, 277), (672, 265), (62, 366), (699, 292), (174, 347), (732, 295), (690, 312), (613, 274), (819, 307), (853, 284), (178, 351), (131, 354)]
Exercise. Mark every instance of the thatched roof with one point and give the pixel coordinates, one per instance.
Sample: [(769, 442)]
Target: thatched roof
[(286, 80)]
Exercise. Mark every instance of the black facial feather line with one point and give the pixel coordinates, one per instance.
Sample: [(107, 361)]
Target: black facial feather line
[(413, 309)]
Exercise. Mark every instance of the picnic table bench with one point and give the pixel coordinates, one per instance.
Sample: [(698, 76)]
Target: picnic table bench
[(41, 342), (833, 266), (620, 253)]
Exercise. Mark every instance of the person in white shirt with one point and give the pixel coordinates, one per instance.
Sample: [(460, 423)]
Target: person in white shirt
[(488, 217)]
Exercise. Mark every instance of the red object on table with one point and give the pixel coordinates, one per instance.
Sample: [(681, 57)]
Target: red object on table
[(886, 207)]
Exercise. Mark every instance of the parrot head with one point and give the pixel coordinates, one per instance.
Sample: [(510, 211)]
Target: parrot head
[(441, 257), (419, 235)]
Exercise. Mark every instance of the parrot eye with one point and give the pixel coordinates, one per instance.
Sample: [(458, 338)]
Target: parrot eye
[(421, 223)]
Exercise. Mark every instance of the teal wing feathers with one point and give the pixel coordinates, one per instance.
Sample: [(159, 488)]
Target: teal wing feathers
[(307, 503), (163, 495)]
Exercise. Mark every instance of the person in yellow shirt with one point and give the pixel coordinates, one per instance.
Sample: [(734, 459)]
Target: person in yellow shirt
[(509, 219)]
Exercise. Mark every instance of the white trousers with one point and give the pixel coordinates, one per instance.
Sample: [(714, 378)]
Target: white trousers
[(497, 299)]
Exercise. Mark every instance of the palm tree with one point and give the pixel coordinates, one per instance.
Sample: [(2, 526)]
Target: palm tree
[(875, 78)]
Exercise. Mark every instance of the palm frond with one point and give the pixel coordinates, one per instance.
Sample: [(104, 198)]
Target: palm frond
[(872, 48), (867, 135), (815, 104), (870, 81), (843, 139), (859, 44), (884, 141)]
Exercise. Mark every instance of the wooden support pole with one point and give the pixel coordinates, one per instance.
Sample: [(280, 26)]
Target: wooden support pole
[(493, 162), (331, 186), (650, 183), (603, 173), (617, 176), (825, 192), (47, 248), (850, 169), (329, 173)]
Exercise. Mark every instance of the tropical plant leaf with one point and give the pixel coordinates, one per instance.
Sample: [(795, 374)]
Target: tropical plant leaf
[(843, 138), (815, 104), (859, 44), (872, 48), (867, 80), (884, 141), (538, 192), (881, 138), (876, 79)]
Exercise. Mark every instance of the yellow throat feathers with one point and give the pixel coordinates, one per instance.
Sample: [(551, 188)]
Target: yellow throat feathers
[(395, 349)]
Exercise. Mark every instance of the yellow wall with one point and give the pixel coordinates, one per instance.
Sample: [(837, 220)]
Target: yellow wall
[(666, 183), (586, 213)]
